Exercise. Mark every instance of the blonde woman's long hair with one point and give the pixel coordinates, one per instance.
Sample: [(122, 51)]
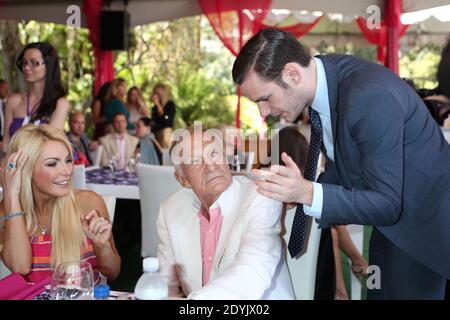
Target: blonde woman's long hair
[(113, 91), (68, 237), (163, 92)]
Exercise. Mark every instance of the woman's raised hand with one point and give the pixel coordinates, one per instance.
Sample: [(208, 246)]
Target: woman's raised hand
[(96, 228)]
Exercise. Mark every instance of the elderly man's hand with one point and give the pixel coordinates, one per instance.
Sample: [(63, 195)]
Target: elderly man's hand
[(286, 184)]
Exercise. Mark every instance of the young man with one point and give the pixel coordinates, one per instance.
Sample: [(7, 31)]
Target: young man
[(118, 143), (389, 164)]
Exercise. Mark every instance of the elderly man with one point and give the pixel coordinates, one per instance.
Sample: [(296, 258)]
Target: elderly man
[(79, 139), (219, 239), (119, 143)]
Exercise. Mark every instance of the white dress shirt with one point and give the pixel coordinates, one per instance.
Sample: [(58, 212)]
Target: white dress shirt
[(321, 104)]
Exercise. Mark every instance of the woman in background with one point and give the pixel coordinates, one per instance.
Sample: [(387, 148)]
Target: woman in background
[(45, 101), (114, 103), (163, 114), (97, 111), (136, 106)]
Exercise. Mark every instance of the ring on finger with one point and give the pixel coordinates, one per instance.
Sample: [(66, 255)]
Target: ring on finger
[(11, 165)]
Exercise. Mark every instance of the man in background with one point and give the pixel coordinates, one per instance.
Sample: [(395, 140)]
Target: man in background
[(118, 145), (79, 139)]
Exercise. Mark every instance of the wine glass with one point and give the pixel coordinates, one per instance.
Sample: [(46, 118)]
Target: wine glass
[(138, 158), (71, 281), (113, 163), (131, 165)]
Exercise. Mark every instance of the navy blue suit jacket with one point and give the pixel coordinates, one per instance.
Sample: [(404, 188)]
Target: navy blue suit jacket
[(392, 163)]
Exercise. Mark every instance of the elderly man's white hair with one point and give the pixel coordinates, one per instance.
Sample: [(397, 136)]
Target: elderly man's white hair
[(183, 139)]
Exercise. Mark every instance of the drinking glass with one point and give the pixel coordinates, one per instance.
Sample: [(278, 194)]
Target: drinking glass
[(72, 281), (131, 165), (113, 163)]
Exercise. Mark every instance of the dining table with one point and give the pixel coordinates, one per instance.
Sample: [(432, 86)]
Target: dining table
[(123, 184)]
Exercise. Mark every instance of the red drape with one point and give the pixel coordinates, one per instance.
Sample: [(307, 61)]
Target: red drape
[(387, 36), (298, 29), (235, 22), (392, 13), (104, 63)]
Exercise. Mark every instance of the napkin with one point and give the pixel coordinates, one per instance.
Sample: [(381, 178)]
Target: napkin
[(14, 287)]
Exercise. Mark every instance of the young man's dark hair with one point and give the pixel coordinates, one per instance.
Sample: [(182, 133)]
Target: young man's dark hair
[(267, 53)]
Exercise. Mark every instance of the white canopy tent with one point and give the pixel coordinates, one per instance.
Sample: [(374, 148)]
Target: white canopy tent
[(147, 11)]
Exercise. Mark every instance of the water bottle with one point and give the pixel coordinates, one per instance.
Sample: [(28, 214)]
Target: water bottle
[(101, 292), (151, 286)]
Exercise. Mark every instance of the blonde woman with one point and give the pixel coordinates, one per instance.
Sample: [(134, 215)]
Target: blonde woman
[(44, 222), (136, 106), (114, 103), (163, 114)]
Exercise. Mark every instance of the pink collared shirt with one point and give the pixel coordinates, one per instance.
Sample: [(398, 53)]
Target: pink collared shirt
[(209, 237), (122, 147)]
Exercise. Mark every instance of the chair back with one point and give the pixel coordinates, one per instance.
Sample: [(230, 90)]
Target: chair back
[(110, 201), (446, 132), (4, 271), (97, 155), (155, 184), (303, 269), (79, 177), (166, 160)]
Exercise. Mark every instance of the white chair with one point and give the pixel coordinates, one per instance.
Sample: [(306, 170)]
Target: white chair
[(79, 177), (303, 269), (166, 160), (110, 202), (446, 132), (4, 271), (97, 155), (155, 184)]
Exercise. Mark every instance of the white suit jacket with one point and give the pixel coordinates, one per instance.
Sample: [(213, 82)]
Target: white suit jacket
[(110, 147), (249, 262)]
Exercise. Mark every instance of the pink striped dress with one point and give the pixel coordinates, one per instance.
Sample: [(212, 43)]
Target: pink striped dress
[(41, 248)]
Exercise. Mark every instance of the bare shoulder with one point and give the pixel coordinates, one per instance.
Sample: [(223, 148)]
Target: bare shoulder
[(62, 101), (15, 99), (89, 200), (87, 196)]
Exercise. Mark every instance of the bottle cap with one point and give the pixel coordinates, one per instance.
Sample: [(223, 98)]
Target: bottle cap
[(101, 291), (150, 264)]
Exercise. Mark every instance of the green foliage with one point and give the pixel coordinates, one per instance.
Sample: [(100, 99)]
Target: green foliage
[(368, 53), (420, 65), (200, 97), (187, 55)]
